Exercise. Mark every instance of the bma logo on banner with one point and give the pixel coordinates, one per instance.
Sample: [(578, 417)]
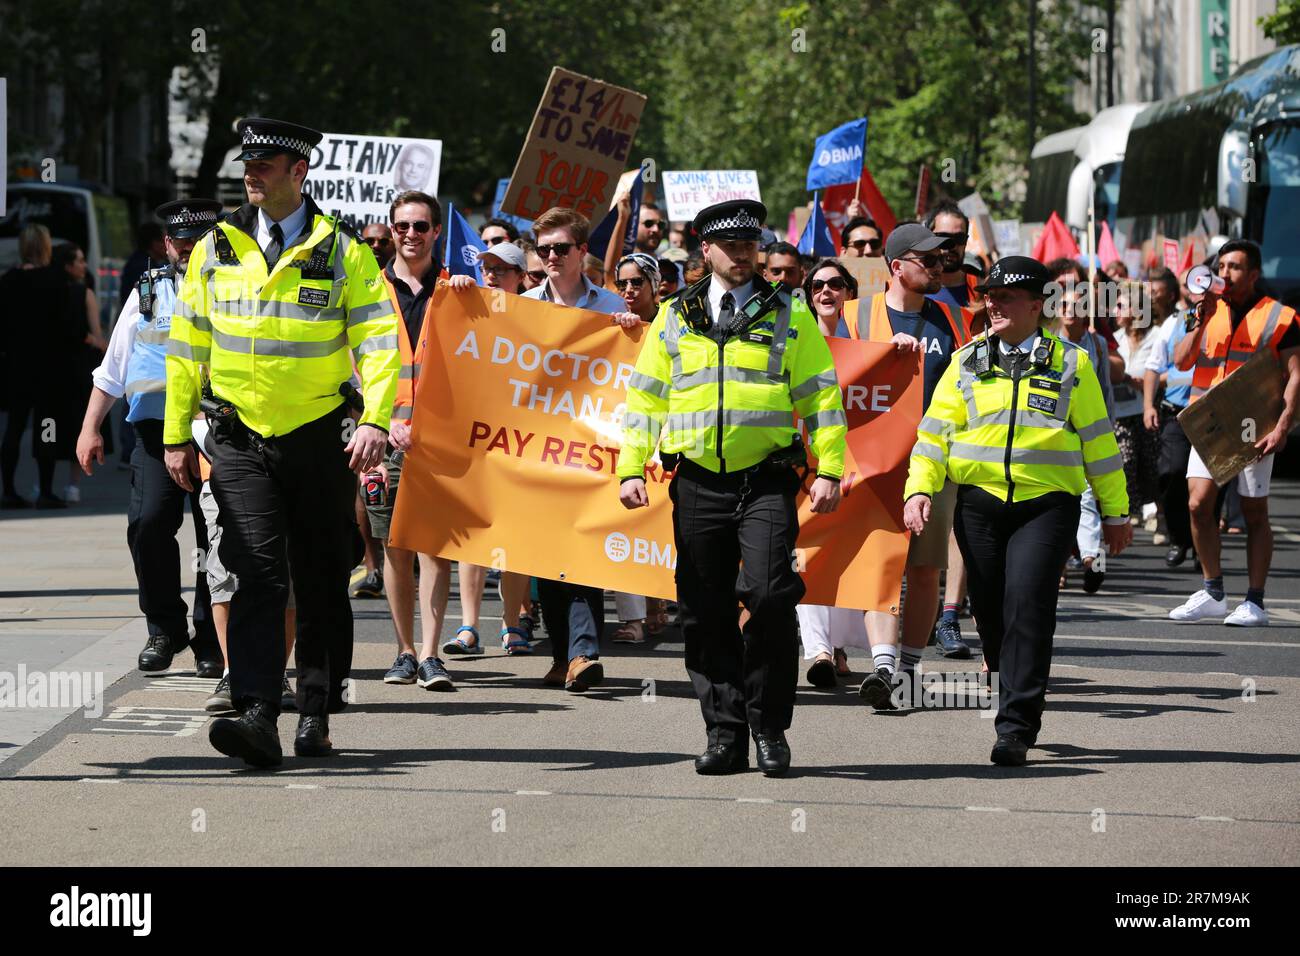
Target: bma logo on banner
[(619, 548), (828, 156), (470, 255)]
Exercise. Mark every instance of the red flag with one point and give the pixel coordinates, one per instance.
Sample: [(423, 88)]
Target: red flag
[(836, 199), (923, 191), (1055, 242), (1189, 257), (1106, 251)]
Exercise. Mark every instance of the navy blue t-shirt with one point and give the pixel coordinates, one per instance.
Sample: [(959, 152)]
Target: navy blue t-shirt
[(957, 296), (937, 343)]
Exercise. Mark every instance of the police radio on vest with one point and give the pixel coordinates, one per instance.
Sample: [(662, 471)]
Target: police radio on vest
[(1201, 279)]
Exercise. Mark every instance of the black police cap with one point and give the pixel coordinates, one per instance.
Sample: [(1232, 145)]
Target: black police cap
[(737, 219), (1017, 272), (188, 218), (263, 138)]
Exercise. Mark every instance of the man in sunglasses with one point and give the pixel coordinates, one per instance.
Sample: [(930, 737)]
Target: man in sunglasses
[(498, 230), (379, 238), (957, 286), (860, 239), (650, 230)]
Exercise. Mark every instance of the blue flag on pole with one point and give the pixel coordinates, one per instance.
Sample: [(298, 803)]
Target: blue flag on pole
[(816, 238), (598, 241), (463, 246), (837, 156), (523, 225)]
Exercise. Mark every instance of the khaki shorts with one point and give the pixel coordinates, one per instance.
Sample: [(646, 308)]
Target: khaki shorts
[(929, 549), (381, 518)]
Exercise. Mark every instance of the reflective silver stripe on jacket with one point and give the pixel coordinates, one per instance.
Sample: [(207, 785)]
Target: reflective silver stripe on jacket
[(375, 343), (196, 353), (831, 416), (813, 385), (143, 385), (280, 347), (1019, 456), (646, 423), (1104, 466), (374, 310), (1098, 428), (731, 417), (152, 335), (925, 449), (649, 384), (730, 373)]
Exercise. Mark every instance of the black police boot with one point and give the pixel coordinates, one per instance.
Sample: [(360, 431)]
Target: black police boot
[(210, 667), (773, 754), (313, 738), (720, 759), (1175, 556), (157, 654), (252, 738), (1009, 751)]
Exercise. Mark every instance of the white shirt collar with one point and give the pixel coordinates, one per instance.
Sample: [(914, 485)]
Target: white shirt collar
[(1026, 346), (740, 295), (291, 225)]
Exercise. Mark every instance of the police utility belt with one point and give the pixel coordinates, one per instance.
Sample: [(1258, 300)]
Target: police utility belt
[(225, 424)]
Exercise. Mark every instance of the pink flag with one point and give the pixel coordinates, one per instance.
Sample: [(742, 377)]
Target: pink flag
[(1106, 251)]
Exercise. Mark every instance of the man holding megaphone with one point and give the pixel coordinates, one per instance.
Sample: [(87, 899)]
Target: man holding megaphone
[(1231, 324)]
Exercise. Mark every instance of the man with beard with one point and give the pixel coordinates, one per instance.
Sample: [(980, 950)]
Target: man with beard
[(135, 366)]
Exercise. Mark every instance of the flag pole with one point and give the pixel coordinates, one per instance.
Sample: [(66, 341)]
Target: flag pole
[(1091, 246), (857, 187)]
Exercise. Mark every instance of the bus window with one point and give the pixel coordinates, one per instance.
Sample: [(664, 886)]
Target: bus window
[(1274, 207), (1106, 196), (1049, 186), (63, 213)]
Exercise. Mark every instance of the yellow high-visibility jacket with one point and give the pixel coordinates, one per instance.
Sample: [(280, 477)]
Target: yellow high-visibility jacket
[(728, 407), (278, 346), (1020, 439)]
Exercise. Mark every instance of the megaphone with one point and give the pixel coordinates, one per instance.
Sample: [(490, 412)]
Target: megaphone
[(1201, 279)]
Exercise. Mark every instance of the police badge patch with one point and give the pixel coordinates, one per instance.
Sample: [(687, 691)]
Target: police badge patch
[(318, 298)]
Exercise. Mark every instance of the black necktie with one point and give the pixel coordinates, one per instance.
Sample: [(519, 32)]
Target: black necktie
[(275, 246), (726, 311)]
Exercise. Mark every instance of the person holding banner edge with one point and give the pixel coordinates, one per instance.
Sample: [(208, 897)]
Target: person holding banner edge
[(723, 368)]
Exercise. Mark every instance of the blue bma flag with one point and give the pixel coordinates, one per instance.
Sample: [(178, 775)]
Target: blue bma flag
[(463, 246), (816, 238), (837, 156), (598, 241)]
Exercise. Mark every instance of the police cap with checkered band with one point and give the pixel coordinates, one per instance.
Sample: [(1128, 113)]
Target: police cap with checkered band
[(740, 220), (188, 218), (1017, 272), (262, 138)]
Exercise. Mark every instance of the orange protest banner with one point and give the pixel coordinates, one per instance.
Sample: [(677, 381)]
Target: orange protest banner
[(516, 434), (579, 143)]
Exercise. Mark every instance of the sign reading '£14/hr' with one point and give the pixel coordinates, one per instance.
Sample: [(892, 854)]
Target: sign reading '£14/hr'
[(579, 143)]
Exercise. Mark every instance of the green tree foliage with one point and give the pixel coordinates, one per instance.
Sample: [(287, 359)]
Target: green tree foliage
[(1283, 25)]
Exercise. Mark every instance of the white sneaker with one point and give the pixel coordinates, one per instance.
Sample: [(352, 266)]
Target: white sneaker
[(1199, 607), (72, 494), (1248, 614)]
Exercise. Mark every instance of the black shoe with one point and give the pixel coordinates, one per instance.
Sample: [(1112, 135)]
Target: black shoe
[(720, 759), (773, 754), (1092, 579), (822, 674), (49, 502), (313, 738), (252, 738), (14, 501), (1175, 557), (209, 668), (157, 654), (878, 689), (947, 633), (1009, 751)]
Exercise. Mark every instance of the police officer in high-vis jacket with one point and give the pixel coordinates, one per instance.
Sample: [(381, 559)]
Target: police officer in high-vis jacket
[(135, 367), (278, 302), (724, 367), (1019, 424)]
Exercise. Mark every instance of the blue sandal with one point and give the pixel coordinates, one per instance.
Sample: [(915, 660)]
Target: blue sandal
[(458, 645), (518, 645)]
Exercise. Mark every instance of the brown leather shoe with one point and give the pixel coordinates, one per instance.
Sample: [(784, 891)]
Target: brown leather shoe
[(556, 676), (583, 673)]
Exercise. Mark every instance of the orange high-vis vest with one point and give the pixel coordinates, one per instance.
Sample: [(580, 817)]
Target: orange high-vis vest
[(874, 320), (409, 373), (1223, 351)]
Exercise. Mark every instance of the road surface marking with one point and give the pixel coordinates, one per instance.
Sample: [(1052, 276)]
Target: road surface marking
[(1174, 640), (989, 809)]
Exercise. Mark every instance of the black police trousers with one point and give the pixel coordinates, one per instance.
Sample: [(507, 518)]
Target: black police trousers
[(735, 536), (1171, 466), (286, 509), (154, 515), (1014, 554)]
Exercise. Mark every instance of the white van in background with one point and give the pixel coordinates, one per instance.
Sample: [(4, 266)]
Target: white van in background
[(95, 221)]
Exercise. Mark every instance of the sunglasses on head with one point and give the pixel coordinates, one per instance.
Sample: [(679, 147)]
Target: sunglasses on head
[(635, 282), (927, 261), (836, 283), (420, 225), (861, 244), (561, 249)]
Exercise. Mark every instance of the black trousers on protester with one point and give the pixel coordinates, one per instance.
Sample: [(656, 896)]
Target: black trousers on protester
[(154, 515), (286, 509), (1171, 466), (1014, 554), (744, 681)]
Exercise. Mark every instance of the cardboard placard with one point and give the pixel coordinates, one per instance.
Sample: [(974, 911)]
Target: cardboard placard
[(1246, 404), (690, 190), (872, 274), (1171, 255), (579, 144), (1006, 236)]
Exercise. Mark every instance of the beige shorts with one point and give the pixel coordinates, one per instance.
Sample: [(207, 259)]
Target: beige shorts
[(929, 549), (1252, 481)]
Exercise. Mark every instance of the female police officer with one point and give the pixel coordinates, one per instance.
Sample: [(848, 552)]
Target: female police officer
[(1018, 422)]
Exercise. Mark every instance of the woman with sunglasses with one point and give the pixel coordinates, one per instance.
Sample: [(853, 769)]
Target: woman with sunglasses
[(826, 631)]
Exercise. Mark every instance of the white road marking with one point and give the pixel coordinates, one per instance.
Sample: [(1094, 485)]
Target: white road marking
[(301, 786), (754, 800), (1216, 819), (533, 793), (1174, 640)]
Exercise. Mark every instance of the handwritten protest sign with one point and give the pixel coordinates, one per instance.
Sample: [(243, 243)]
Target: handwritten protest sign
[(689, 191), (356, 177), (872, 274), (579, 143), (517, 430)]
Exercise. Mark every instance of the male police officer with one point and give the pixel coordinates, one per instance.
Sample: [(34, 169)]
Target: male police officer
[(278, 300), (723, 368), (135, 366)]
